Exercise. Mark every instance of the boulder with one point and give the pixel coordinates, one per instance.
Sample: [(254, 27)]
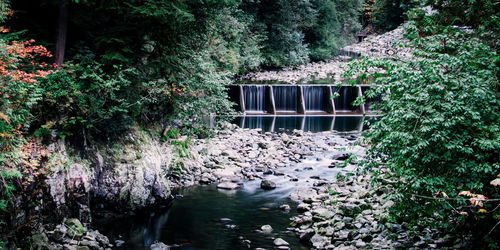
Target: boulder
[(280, 242), (266, 229), (228, 185), (267, 185), (159, 246)]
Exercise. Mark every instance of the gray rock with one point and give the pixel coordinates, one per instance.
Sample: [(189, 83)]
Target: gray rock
[(348, 220), (323, 212), (303, 207), (280, 242), (119, 243), (285, 207), (228, 185), (266, 229), (319, 241), (306, 235), (225, 220), (90, 244), (267, 185), (360, 244), (159, 246)]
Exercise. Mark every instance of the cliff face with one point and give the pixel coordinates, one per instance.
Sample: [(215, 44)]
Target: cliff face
[(129, 175)]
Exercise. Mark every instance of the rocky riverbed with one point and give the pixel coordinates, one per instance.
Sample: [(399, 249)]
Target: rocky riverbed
[(338, 205), (237, 154), (374, 46)]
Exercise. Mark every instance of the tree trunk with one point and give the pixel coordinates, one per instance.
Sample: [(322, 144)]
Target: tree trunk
[(62, 32)]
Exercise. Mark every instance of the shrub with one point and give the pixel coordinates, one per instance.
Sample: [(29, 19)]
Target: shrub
[(83, 100), (440, 131)]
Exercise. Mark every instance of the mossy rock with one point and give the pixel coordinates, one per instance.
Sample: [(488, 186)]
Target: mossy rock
[(75, 227), (39, 241)]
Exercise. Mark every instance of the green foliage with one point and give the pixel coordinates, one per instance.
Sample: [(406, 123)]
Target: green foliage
[(441, 126), (4, 8), (389, 14), (172, 133), (299, 30), (337, 22), (285, 21), (83, 99), (481, 17)]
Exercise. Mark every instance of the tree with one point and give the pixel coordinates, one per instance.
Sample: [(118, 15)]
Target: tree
[(389, 14), (62, 32)]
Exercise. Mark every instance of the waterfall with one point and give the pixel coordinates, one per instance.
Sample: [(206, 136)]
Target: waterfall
[(315, 98), (285, 98), (348, 95), (255, 100)]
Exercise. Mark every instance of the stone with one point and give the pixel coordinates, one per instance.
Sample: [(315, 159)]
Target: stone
[(39, 241), (266, 229), (329, 231), (228, 185), (280, 242), (306, 235), (267, 185), (263, 145), (339, 225), (159, 246), (319, 241), (90, 244), (348, 220), (278, 173), (74, 226), (225, 220), (323, 212), (360, 244), (102, 239), (119, 243), (285, 207), (303, 207)]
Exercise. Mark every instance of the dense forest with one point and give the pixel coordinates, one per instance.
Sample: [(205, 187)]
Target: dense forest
[(87, 71)]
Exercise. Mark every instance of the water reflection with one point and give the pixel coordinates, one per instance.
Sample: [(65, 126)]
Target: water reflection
[(305, 123), (193, 222)]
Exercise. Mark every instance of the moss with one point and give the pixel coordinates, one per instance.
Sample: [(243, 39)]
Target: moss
[(75, 227)]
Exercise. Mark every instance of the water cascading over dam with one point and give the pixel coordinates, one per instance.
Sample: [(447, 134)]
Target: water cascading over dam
[(280, 99), (285, 98), (254, 98), (314, 98), (347, 95)]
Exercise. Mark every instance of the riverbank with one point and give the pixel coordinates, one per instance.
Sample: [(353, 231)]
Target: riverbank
[(338, 205)]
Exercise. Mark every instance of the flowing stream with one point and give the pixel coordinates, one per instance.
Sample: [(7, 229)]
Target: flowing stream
[(205, 217), (198, 220)]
